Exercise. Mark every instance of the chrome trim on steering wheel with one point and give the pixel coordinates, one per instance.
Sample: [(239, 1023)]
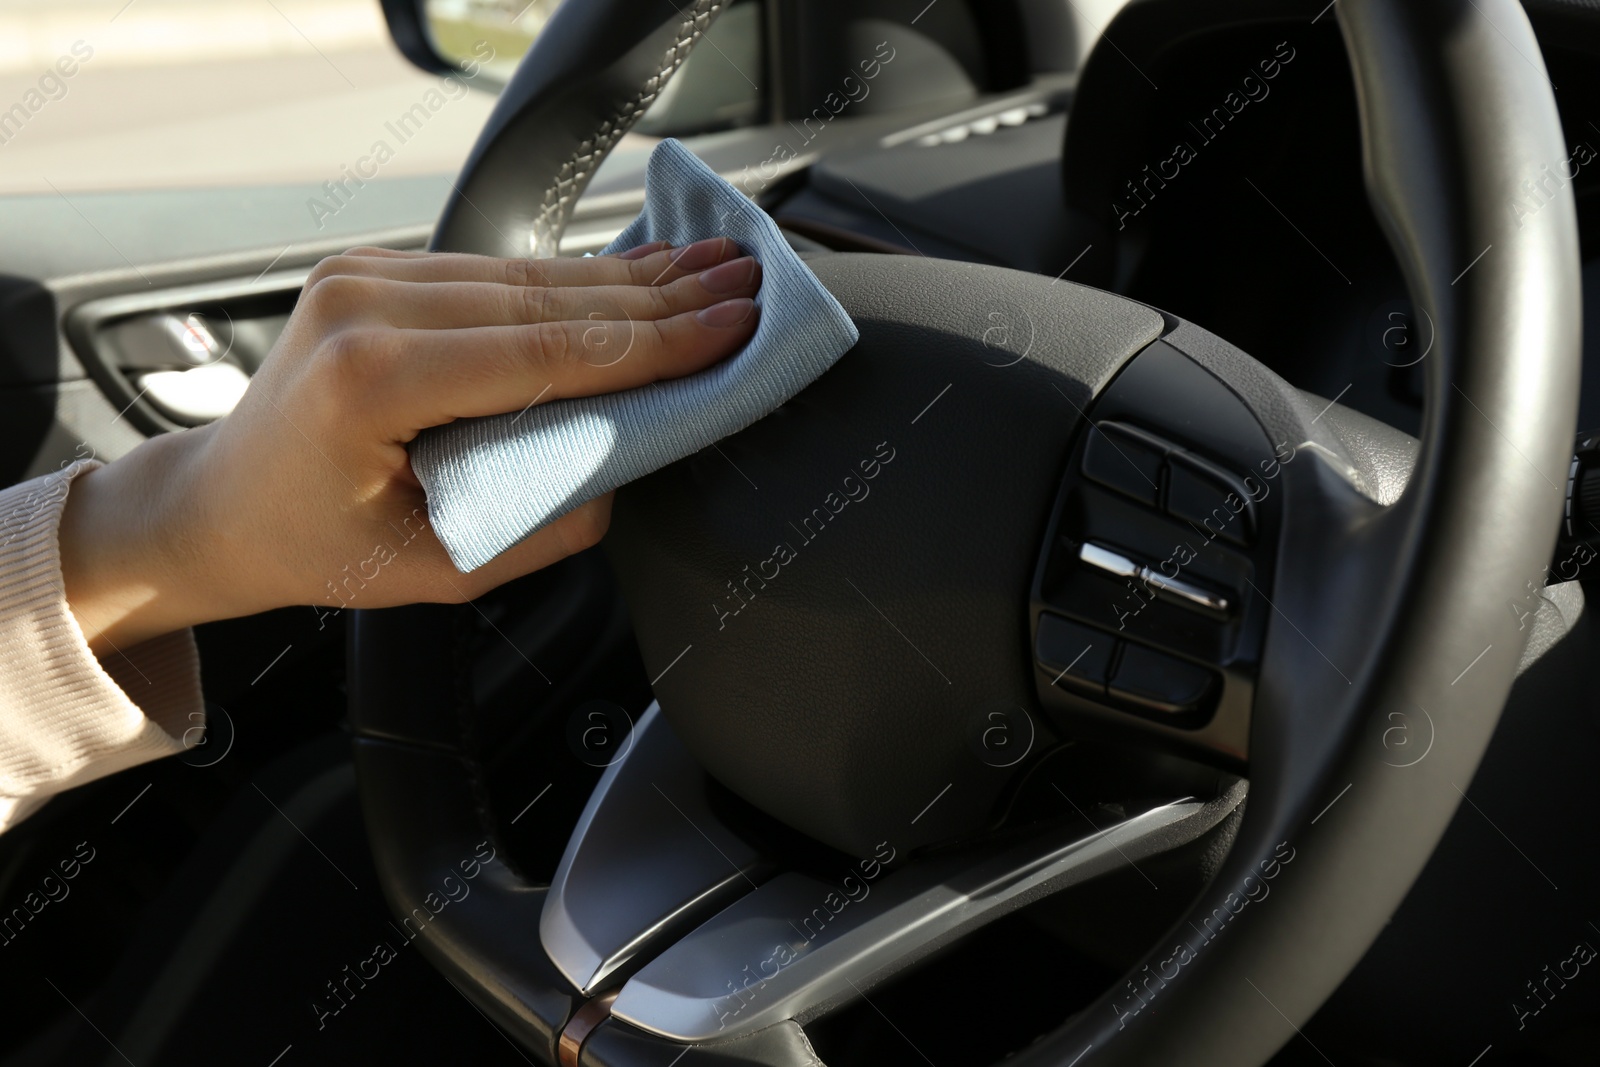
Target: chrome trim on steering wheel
[(648, 814), (798, 946)]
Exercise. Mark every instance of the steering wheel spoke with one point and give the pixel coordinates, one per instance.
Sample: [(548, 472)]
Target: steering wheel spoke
[(664, 913), (648, 861), (800, 945)]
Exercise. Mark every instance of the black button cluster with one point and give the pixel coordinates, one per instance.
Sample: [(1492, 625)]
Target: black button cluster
[(1079, 652), (1097, 664), (1162, 475), (1159, 682), (1126, 460)]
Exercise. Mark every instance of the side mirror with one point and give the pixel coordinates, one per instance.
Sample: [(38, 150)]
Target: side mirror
[(719, 87)]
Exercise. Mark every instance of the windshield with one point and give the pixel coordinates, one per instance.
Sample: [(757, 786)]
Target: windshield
[(136, 94)]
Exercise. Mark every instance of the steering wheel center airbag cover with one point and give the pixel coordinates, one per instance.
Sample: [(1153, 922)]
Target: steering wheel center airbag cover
[(833, 601)]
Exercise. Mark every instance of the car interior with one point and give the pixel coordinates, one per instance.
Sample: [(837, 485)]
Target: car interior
[(1160, 640)]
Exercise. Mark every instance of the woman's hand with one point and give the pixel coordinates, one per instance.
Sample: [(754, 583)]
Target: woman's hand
[(306, 489)]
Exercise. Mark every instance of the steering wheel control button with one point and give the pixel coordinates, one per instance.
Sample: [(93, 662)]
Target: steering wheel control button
[(1074, 653), (1173, 589), (1212, 500), (1181, 585), (1124, 459), (1159, 682)]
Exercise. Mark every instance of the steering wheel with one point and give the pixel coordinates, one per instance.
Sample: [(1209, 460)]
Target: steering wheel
[(961, 529)]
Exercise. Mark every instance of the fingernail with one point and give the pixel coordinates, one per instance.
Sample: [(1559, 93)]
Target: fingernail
[(701, 254), (730, 276), (640, 251), (728, 313)]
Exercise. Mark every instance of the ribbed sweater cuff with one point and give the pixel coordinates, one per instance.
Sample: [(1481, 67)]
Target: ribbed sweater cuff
[(66, 718)]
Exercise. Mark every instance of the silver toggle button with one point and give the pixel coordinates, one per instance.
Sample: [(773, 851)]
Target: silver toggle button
[(1173, 590)]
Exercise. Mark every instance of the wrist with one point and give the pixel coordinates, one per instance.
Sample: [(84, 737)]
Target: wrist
[(133, 545)]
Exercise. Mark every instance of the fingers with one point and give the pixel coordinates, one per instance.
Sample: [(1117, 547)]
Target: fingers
[(386, 253), (640, 251), (659, 266), (429, 573), (636, 252), (422, 378), (422, 339), (462, 305)]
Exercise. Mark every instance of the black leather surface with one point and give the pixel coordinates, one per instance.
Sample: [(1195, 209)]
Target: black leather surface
[(424, 806), (425, 705), (1381, 456), (850, 691), (482, 932)]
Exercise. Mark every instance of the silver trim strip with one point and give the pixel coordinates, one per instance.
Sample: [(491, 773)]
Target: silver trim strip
[(647, 859), (1175, 590), (798, 947)]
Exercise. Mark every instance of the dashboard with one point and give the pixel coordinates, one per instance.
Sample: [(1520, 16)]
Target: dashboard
[(1210, 164)]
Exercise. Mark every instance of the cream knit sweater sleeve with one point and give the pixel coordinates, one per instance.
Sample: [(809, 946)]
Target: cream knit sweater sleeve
[(66, 717)]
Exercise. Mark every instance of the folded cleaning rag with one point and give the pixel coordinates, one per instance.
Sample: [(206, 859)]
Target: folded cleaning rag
[(493, 481)]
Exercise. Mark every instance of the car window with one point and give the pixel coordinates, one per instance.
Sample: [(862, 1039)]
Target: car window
[(720, 86), (134, 94)]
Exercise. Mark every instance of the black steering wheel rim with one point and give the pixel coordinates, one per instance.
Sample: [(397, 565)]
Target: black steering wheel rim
[(1455, 111)]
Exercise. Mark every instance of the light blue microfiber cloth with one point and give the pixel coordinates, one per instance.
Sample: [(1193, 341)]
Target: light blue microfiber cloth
[(493, 481)]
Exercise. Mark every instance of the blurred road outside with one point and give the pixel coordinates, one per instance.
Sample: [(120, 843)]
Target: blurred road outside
[(185, 93)]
